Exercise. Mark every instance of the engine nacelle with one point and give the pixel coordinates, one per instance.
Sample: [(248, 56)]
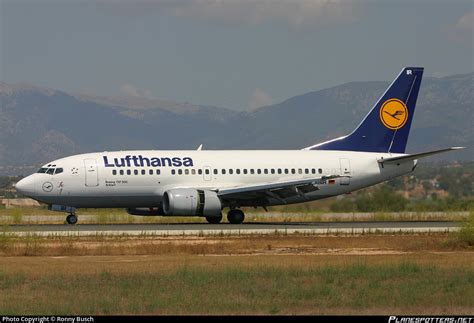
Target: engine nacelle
[(146, 211), (189, 202)]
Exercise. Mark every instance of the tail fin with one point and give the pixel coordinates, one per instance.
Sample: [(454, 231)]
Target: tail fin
[(386, 127)]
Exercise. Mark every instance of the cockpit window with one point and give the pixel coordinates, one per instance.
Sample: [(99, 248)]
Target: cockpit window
[(50, 170)]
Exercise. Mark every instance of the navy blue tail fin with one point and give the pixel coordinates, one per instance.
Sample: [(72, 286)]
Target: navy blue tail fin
[(386, 127)]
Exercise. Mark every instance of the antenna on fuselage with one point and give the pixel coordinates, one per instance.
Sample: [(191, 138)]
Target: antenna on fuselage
[(199, 148)]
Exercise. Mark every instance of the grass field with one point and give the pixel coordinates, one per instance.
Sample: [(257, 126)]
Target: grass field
[(374, 274), (247, 285), (26, 215)]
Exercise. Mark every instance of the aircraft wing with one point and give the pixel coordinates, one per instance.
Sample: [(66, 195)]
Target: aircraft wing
[(276, 190), (399, 159)]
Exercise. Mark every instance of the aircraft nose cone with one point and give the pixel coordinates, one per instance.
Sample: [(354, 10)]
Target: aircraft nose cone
[(26, 186)]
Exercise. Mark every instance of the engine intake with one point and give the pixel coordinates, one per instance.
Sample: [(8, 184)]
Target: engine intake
[(189, 202)]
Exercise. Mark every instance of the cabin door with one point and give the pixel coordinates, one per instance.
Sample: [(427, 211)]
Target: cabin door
[(92, 175)]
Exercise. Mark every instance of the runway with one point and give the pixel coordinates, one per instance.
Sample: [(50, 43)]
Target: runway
[(203, 229)]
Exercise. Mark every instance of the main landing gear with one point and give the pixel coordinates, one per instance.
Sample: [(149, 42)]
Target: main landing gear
[(71, 219), (214, 219), (234, 216)]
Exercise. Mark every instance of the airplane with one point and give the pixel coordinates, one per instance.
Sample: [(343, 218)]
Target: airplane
[(202, 183)]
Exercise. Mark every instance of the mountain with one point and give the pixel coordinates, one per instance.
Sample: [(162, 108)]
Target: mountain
[(444, 115), (39, 125)]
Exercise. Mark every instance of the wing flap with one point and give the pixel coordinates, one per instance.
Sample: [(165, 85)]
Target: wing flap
[(278, 190)]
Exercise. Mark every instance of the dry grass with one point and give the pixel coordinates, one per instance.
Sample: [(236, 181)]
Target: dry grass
[(403, 274), (113, 216), (278, 284), (266, 245)]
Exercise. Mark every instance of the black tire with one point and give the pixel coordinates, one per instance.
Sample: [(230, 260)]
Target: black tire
[(71, 219), (214, 219), (236, 216)]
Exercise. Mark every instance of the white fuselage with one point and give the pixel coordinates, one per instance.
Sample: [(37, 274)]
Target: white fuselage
[(111, 179)]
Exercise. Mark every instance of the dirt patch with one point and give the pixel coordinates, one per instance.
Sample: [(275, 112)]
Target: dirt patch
[(236, 245)]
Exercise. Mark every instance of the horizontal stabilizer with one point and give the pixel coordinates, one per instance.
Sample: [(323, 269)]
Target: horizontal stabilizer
[(392, 160)]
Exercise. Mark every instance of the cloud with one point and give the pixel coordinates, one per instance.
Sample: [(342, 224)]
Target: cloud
[(463, 31), (130, 90), (295, 13), (466, 22), (259, 99)]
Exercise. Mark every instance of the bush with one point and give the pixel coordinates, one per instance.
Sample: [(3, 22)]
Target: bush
[(383, 199), (343, 205), (466, 233)]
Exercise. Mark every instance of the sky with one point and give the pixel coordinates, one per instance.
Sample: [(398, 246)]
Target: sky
[(237, 54)]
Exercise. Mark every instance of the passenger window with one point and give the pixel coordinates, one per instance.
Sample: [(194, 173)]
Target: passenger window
[(265, 171), (245, 171), (313, 171), (279, 170), (259, 171), (158, 172), (180, 172), (173, 172), (121, 172), (223, 171), (300, 171), (215, 171), (231, 171), (207, 171), (150, 172), (114, 172), (273, 170), (237, 171), (286, 170), (193, 171), (143, 172), (306, 171), (186, 171), (135, 171), (252, 171), (293, 171), (129, 172), (320, 171), (200, 171)]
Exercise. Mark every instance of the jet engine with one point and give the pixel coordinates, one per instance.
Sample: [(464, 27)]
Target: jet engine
[(189, 202)]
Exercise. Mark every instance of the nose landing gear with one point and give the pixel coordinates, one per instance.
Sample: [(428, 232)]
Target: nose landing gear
[(71, 218)]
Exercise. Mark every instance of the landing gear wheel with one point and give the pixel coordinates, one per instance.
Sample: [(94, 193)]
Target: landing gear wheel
[(236, 216), (71, 219), (214, 219)]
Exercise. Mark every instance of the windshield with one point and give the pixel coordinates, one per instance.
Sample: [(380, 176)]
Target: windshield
[(50, 170)]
